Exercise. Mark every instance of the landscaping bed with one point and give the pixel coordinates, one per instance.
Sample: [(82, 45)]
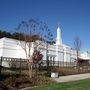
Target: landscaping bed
[(16, 80), (20, 79)]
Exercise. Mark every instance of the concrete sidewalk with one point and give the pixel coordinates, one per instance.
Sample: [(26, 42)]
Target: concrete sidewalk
[(72, 77)]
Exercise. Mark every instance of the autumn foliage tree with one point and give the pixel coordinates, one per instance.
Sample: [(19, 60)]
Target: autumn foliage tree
[(37, 56)]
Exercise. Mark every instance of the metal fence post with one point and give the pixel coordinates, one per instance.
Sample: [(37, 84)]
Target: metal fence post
[(20, 66), (1, 66)]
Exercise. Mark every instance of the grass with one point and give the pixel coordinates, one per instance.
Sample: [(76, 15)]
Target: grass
[(75, 85)]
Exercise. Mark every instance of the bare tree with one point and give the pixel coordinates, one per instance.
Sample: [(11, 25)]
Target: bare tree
[(77, 46), (31, 31)]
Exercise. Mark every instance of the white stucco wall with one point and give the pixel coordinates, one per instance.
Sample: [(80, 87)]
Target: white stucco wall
[(11, 48)]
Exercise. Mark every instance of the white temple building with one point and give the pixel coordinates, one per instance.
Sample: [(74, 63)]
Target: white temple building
[(58, 53)]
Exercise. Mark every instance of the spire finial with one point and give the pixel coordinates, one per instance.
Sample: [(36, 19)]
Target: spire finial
[(58, 24)]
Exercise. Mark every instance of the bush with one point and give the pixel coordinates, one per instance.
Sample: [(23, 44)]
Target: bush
[(2, 86), (24, 81)]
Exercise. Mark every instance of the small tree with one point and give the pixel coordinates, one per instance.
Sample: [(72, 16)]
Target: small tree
[(77, 46), (31, 31), (37, 57)]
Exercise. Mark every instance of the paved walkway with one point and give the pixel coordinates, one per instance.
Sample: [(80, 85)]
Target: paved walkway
[(72, 77)]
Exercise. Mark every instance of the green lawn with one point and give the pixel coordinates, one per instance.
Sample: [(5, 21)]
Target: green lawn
[(76, 85)]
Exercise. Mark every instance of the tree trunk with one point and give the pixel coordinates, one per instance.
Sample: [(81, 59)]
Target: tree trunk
[(29, 68)]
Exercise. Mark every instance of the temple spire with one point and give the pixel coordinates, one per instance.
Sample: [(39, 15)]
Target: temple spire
[(58, 38)]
